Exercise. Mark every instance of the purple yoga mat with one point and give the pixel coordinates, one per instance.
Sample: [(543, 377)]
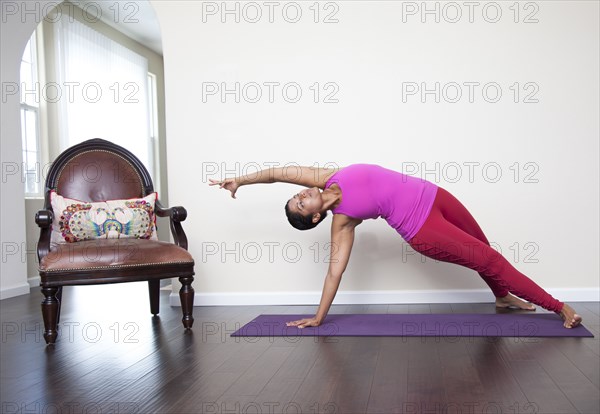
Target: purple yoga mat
[(454, 325)]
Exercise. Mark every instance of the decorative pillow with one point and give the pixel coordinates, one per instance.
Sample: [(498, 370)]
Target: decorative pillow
[(76, 220)]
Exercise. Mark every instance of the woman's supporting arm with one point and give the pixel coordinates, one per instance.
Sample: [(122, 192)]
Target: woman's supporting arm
[(342, 239)]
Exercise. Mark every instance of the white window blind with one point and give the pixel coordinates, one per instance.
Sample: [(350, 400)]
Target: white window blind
[(30, 132), (104, 90)]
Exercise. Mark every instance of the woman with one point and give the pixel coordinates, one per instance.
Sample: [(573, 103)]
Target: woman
[(429, 218)]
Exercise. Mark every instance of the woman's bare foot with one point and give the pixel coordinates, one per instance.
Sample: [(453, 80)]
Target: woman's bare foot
[(510, 301), (570, 317)]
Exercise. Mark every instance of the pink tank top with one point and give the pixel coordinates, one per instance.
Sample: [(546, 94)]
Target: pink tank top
[(370, 191)]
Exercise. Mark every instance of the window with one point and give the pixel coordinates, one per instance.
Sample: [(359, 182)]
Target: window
[(30, 130), (109, 92), (153, 114), (100, 89)]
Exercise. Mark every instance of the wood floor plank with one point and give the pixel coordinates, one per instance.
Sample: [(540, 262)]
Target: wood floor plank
[(278, 393), (593, 307), (486, 308), (207, 384), (390, 379), (440, 308), (580, 391), (201, 396), (256, 377), (352, 390), (501, 390), (377, 309), (419, 308), (583, 358), (460, 377), (539, 388), (398, 308), (425, 383), (463, 308), (317, 389)]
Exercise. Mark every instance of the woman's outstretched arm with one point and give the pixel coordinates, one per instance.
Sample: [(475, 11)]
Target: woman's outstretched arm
[(305, 176), (342, 239)]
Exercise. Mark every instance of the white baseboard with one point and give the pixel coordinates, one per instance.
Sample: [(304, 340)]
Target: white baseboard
[(34, 281), (371, 297), (14, 291)]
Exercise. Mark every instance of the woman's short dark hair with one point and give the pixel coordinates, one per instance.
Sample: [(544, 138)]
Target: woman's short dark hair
[(301, 222)]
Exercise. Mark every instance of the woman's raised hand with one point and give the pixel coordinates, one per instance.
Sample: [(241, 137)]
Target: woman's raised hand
[(230, 184)]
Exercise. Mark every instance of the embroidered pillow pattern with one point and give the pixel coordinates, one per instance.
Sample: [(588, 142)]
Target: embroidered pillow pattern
[(76, 220)]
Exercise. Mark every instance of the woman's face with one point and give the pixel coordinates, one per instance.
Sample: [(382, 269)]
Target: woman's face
[(306, 202)]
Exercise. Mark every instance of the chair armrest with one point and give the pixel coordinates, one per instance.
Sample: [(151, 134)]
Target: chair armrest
[(44, 218), (176, 213), (176, 216)]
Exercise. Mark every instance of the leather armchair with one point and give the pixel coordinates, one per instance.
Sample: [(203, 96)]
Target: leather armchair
[(98, 170)]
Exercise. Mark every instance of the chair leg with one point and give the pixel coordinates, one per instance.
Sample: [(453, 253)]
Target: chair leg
[(59, 298), (154, 291), (186, 294), (50, 307)]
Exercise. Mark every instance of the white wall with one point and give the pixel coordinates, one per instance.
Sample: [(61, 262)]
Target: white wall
[(369, 54), (13, 279)]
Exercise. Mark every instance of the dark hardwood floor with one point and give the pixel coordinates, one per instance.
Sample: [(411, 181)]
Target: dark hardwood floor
[(125, 361)]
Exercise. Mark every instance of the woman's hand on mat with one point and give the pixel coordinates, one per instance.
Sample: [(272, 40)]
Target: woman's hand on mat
[(230, 184), (303, 323)]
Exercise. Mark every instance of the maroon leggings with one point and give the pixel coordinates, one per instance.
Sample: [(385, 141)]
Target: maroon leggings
[(451, 234)]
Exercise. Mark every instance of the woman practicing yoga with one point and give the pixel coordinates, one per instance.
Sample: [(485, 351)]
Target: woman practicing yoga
[(429, 219)]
